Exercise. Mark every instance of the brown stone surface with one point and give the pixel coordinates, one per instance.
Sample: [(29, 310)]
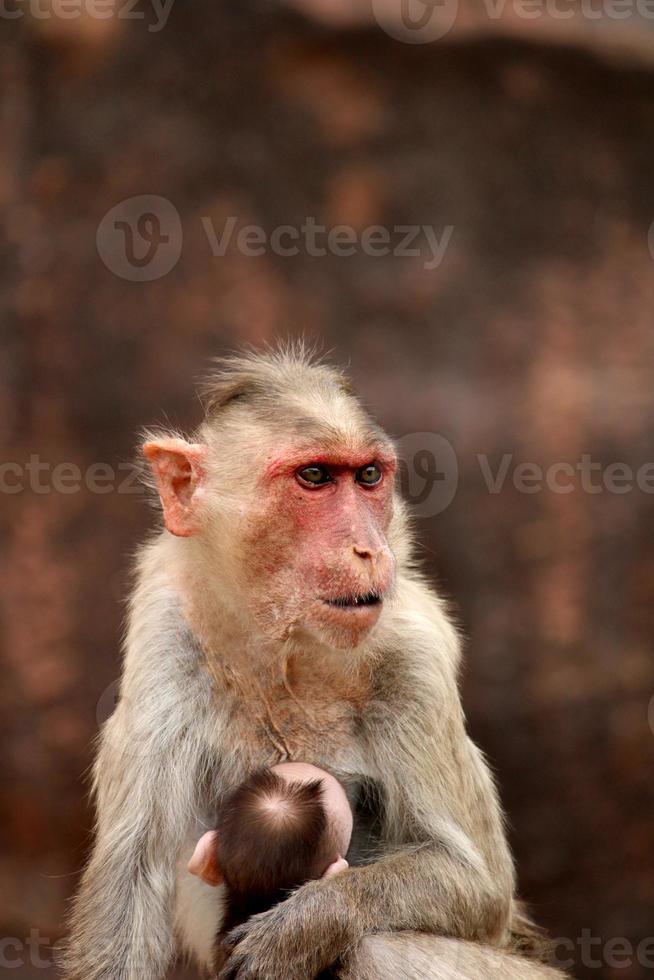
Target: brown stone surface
[(532, 338)]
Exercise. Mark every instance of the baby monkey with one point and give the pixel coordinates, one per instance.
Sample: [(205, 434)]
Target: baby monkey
[(278, 829)]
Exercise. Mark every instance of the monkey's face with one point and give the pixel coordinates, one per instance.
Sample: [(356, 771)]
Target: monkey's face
[(316, 548), (303, 531)]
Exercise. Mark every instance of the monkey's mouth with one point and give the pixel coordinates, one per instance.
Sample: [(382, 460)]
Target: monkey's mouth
[(348, 617), (355, 601)]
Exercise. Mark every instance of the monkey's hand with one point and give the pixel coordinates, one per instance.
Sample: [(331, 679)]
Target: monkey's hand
[(295, 940)]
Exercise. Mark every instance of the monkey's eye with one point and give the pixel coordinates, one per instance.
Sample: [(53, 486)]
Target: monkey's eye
[(368, 475), (314, 475)]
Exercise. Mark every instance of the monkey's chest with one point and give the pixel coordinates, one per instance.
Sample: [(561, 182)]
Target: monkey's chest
[(279, 728), (312, 720)]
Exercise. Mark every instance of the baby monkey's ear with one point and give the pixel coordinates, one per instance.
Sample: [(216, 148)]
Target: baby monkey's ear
[(340, 864), (203, 864)]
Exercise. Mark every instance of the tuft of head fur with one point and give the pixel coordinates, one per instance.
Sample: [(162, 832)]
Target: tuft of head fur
[(288, 390), (291, 370), (273, 835)]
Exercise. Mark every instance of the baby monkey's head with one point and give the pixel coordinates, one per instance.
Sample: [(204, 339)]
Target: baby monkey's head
[(277, 830), (280, 828)]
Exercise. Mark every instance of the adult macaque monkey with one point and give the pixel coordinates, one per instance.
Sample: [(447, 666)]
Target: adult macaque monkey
[(279, 616)]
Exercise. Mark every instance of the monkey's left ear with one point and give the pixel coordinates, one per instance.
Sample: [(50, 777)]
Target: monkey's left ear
[(179, 469)]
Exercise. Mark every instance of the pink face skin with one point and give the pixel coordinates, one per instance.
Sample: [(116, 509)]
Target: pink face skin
[(203, 862), (317, 554), (321, 550)]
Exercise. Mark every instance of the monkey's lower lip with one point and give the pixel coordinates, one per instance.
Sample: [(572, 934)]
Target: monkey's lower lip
[(364, 601)]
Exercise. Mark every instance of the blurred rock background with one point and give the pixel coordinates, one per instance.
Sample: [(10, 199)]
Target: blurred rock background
[(534, 140)]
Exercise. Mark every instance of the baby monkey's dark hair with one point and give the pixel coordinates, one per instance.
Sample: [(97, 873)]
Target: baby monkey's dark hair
[(273, 836)]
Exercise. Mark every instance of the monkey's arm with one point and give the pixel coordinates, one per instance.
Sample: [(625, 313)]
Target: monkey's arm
[(147, 779), (121, 919), (442, 885), (447, 869)]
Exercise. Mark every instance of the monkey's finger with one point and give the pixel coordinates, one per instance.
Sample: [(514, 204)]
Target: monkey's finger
[(233, 938), (232, 968), (339, 865)]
